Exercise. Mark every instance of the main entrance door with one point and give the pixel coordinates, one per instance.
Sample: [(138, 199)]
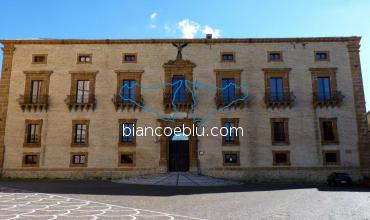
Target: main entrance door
[(178, 155)]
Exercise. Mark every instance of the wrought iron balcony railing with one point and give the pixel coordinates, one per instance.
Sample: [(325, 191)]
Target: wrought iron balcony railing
[(120, 103), (332, 99), (81, 102), (277, 100), (180, 103), (237, 101), (33, 102)]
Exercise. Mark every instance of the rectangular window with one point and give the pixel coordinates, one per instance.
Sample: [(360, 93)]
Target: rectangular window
[(80, 133), (323, 88), (178, 89), (30, 160), (78, 159), (281, 158), (126, 159), (227, 57), (275, 56), (321, 55), (228, 89), (33, 133), (84, 58), (39, 59), (328, 127), (129, 58), (279, 131), (231, 158), (231, 132), (276, 89), (128, 132), (128, 91), (83, 91), (331, 157), (36, 86)]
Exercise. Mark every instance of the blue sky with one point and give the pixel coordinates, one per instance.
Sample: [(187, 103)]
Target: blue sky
[(174, 19)]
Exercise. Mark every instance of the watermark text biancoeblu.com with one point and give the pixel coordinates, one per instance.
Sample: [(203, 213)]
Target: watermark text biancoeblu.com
[(183, 130)]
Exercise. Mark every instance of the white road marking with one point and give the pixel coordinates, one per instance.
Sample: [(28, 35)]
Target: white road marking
[(21, 204)]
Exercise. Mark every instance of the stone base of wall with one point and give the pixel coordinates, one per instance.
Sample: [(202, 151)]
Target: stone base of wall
[(278, 175), (282, 175)]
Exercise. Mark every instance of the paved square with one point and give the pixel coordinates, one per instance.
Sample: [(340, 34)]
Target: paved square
[(62, 199)]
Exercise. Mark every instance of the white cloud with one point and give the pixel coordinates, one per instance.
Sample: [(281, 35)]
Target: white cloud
[(214, 31), (188, 28), (153, 15), (167, 28)]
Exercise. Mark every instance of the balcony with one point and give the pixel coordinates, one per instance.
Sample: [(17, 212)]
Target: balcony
[(328, 99), (238, 101), (35, 103), (80, 102), (123, 104), (182, 104), (285, 99)]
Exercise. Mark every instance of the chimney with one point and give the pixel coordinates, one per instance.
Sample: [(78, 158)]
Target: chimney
[(208, 36)]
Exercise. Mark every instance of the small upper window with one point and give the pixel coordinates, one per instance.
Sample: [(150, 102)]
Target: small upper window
[(275, 56), (84, 58), (39, 59), (129, 58), (227, 57), (321, 55)]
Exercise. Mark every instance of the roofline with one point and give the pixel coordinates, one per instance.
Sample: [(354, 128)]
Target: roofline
[(197, 40)]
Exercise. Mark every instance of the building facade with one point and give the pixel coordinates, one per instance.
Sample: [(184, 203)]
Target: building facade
[(64, 108)]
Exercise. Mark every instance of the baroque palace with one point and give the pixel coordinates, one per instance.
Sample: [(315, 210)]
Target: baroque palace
[(64, 107)]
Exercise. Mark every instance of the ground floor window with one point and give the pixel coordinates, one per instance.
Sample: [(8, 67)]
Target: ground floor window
[(127, 158), (331, 157), (281, 158), (31, 159), (78, 159), (231, 158)]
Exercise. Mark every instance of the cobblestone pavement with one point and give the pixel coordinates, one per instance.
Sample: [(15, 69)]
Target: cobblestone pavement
[(20, 204), (178, 179)]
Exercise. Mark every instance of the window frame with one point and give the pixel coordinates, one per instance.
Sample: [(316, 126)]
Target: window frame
[(286, 131), (286, 152), (80, 122), (337, 152), (30, 122), (269, 53), (40, 55), (129, 75), (120, 123), (324, 72), (25, 154), (327, 55), (84, 55), (335, 131), (120, 164), (73, 154), (227, 53), (83, 76), (224, 163), (236, 124), (129, 54)]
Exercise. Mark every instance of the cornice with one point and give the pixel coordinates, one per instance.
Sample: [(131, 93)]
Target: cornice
[(199, 40)]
